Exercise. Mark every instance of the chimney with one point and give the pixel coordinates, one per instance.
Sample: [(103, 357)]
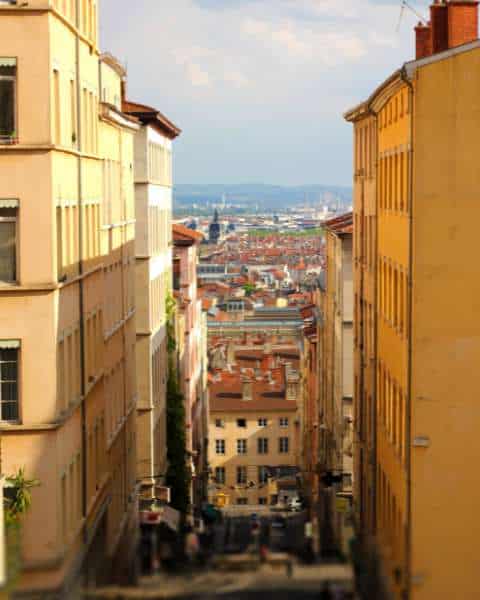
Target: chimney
[(462, 22), (439, 26), (423, 36), (231, 353), (247, 390)]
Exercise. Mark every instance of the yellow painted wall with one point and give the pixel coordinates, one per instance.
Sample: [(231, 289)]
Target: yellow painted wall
[(252, 460), (446, 329)]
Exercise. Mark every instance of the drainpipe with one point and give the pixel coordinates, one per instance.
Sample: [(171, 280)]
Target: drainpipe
[(408, 434), (81, 282)]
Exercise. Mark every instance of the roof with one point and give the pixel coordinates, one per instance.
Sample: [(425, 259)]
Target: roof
[(340, 225), (114, 63), (182, 233), (406, 71), (151, 116), (263, 405)]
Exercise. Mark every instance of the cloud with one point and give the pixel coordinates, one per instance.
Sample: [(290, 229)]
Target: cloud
[(258, 86), (198, 77), (236, 78)]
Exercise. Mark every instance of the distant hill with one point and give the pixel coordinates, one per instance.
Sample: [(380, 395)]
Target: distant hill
[(266, 197)]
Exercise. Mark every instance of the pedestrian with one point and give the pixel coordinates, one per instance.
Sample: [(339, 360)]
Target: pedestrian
[(192, 545)]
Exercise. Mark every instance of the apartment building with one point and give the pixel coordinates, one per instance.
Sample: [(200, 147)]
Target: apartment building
[(255, 399), (415, 143), (153, 198), (192, 359), (336, 381), (67, 332)]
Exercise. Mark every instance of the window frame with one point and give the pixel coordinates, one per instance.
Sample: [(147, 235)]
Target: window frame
[(241, 475), (4, 140), (242, 446), (282, 445), (263, 474), (220, 443), (242, 421), (220, 423), (283, 422), (18, 420), (262, 445), (222, 479), (262, 422), (15, 220)]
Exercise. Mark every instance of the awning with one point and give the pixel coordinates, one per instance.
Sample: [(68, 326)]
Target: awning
[(9, 344), (8, 203), (8, 62)]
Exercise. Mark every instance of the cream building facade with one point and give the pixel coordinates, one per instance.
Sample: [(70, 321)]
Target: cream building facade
[(153, 196), (255, 449), (67, 303), (336, 379)]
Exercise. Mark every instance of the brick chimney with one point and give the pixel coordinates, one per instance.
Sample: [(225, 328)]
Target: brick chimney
[(439, 25), (452, 23), (423, 37), (462, 22), (247, 389)]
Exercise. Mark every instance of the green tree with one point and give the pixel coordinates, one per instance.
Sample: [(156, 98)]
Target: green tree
[(249, 288), (178, 474)]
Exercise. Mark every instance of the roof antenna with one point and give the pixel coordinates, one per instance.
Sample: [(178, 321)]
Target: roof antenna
[(406, 5)]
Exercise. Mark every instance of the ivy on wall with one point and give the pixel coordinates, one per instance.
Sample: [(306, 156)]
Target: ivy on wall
[(178, 474)]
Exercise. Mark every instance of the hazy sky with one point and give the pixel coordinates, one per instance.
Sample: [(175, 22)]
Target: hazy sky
[(258, 86)]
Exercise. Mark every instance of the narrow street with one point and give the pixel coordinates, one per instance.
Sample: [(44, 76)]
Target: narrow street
[(238, 569)]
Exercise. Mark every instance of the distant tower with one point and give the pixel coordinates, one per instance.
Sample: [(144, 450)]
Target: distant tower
[(214, 229)]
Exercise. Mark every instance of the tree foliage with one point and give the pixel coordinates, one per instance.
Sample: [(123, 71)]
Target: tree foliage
[(17, 495), (178, 474)]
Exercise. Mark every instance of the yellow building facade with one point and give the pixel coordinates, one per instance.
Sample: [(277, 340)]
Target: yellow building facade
[(67, 332), (419, 421)]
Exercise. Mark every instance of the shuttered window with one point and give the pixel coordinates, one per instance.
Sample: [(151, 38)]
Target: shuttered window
[(9, 381)]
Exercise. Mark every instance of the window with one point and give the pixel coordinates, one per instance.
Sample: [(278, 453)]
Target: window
[(57, 107), (241, 475), (219, 423), (262, 474), (262, 445), (241, 422), (8, 84), (262, 422), (9, 381), (241, 446), (8, 240), (242, 501), (220, 446), (284, 422), (262, 501), (283, 444), (220, 475)]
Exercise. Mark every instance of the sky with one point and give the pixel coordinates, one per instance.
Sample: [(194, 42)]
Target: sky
[(258, 87)]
